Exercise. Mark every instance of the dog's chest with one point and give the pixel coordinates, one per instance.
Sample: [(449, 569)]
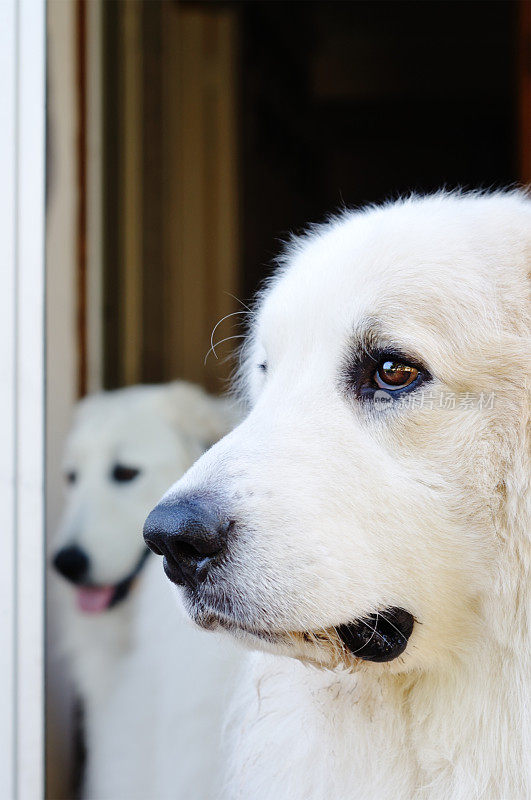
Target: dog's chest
[(309, 736), (304, 734)]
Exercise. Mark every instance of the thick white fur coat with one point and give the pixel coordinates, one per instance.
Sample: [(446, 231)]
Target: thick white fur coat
[(341, 508)]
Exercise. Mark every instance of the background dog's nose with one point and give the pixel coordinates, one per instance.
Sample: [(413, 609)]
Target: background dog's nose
[(72, 563), (189, 534)]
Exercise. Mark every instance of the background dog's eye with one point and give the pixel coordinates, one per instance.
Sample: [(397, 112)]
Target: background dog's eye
[(393, 375), (71, 476), (263, 366), (123, 474)]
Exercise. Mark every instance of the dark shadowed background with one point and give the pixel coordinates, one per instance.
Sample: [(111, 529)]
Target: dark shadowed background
[(251, 119)]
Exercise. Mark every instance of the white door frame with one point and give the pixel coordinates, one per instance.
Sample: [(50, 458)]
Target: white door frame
[(22, 215)]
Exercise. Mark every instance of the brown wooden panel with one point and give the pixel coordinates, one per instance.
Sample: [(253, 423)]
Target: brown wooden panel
[(200, 185), (131, 189), (171, 180)]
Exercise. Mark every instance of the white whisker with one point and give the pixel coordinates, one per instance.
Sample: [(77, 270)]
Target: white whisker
[(227, 339), (239, 301), (216, 326), (391, 624)]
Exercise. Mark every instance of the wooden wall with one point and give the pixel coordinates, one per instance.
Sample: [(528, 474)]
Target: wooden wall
[(171, 205)]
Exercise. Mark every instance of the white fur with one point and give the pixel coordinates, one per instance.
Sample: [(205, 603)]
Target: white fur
[(341, 509), (127, 659)]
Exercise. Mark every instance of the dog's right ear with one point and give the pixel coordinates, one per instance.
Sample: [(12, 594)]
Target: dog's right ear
[(203, 417)]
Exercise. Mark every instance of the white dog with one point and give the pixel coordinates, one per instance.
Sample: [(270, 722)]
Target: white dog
[(370, 517), (125, 645)]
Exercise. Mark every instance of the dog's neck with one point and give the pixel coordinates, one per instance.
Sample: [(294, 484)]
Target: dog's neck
[(466, 725), (447, 734), (452, 732), (466, 721)]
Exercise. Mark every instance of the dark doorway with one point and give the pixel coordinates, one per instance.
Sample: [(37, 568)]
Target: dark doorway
[(345, 103)]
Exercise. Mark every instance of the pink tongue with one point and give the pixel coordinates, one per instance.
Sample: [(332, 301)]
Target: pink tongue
[(92, 599)]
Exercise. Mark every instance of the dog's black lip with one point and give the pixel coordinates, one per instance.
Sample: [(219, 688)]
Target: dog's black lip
[(378, 637), (122, 588)]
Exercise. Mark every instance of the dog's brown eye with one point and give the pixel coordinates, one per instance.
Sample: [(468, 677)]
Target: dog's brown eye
[(385, 374), (395, 375)]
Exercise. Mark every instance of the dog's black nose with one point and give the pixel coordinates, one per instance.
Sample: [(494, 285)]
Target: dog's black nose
[(72, 563), (190, 534)]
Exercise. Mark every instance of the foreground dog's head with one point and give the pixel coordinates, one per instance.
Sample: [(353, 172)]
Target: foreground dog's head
[(124, 449), (362, 508)]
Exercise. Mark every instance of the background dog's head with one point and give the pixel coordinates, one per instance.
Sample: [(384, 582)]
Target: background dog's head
[(367, 505), (124, 449)]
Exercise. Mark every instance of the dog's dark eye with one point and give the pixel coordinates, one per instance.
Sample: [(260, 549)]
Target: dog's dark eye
[(392, 375), (263, 366), (71, 476), (123, 474)]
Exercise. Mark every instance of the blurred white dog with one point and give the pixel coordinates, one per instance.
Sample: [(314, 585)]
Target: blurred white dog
[(123, 638), (370, 516)]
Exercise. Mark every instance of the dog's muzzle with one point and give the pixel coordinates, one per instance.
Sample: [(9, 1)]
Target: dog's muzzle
[(193, 536)]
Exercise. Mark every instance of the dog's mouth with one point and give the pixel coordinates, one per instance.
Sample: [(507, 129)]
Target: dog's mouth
[(379, 637), (95, 598)]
